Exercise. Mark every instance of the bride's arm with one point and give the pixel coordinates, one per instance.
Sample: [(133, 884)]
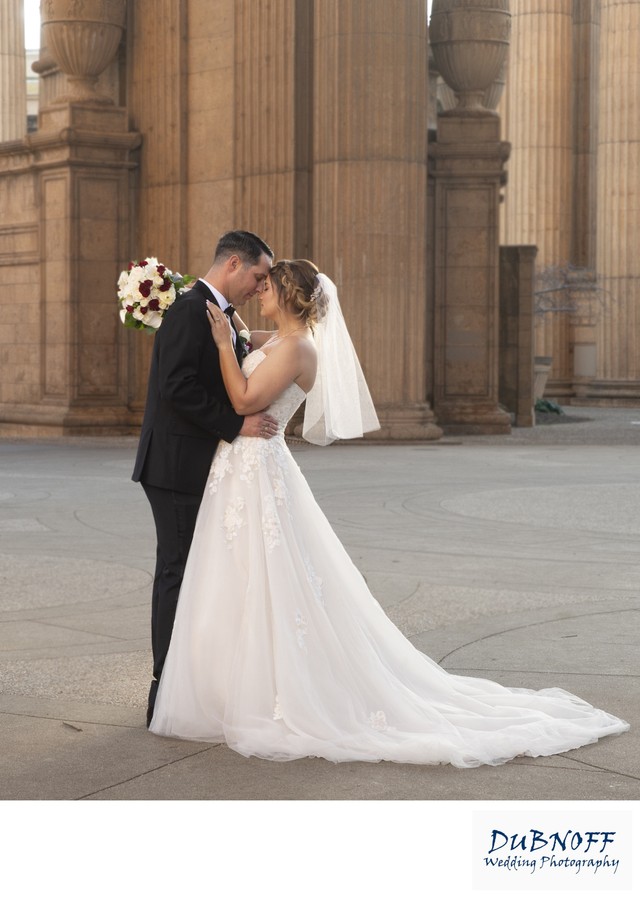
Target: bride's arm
[(281, 367)]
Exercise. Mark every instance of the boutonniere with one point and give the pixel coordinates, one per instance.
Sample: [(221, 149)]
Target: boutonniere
[(245, 342)]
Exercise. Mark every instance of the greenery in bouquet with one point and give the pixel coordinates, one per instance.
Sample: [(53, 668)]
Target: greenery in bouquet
[(146, 289)]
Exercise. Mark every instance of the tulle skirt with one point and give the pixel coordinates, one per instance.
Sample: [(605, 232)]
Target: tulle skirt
[(280, 650)]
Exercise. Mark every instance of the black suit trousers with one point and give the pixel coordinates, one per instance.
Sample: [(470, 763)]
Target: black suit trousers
[(175, 517)]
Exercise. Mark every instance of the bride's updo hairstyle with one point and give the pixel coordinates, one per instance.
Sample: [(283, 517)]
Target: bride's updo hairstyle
[(295, 283)]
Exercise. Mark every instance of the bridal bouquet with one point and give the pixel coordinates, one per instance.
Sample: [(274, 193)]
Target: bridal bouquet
[(146, 289)]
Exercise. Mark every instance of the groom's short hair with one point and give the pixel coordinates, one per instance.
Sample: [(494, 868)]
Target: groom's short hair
[(248, 246)]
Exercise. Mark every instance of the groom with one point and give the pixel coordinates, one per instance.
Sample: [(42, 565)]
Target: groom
[(186, 414)]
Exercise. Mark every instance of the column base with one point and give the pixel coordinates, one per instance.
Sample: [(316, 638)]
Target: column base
[(38, 421), (611, 393), (470, 418), (398, 424)]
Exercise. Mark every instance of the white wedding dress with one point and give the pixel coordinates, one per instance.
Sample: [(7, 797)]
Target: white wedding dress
[(280, 650)]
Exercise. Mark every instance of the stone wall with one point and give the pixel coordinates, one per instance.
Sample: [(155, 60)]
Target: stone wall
[(20, 322)]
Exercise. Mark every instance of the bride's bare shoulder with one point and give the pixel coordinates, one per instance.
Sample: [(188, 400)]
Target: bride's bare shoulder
[(307, 347), (300, 347), (299, 356)]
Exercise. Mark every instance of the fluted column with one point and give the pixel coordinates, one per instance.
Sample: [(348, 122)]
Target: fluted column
[(586, 61), (586, 29), (158, 108), (539, 126), (369, 193), (274, 62), (13, 86), (158, 98), (618, 230)]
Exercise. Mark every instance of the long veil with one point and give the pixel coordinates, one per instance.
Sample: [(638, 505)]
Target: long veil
[(339, 406)]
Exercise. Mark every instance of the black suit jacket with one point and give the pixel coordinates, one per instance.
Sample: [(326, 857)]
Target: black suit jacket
[(188, 410)]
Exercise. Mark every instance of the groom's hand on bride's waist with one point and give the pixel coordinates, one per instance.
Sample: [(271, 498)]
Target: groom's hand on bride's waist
[(259, 425)]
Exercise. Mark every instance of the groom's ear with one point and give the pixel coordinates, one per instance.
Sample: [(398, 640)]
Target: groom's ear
[(233, 262)]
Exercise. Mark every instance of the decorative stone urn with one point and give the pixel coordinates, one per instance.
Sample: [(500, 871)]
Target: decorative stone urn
[(82, 36), (470, 42), (490, 99)]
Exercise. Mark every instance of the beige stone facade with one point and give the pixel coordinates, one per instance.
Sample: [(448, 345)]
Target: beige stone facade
[(275, 115), (313, 123)]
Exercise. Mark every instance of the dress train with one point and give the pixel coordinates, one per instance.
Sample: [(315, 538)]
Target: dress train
[(280, 650)]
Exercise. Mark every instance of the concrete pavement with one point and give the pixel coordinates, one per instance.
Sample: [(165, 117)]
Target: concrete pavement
[(511, 557)]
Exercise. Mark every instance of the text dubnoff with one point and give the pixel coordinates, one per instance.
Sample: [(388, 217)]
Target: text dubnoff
[(533, 851)]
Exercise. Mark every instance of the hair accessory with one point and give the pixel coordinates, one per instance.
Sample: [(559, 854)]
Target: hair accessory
[(320, 298)]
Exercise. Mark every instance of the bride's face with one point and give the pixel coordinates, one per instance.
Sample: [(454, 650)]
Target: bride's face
[(269, 301)]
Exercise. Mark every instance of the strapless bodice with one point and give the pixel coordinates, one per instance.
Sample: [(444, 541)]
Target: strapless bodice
[(287, 403)]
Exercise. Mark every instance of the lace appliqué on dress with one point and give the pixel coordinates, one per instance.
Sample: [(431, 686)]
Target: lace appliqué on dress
[(270, 523), (315, 582), (253, 451), (301, 630), (233, 519), (221, 466), (378, 721)]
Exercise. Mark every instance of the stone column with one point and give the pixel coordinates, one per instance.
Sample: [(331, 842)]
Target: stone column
[(582, 279), (158, 103), (369, 194), (586, 60), (618, 255), (274, 63), (539, 126), (13, 101), (158, 107)]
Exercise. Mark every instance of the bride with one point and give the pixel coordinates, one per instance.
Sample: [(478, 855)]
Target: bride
[(278, 648)]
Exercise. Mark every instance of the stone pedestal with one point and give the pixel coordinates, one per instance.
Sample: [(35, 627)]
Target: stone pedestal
[(13, 87), (517, 275), (369, 195), (82, 157), (468, 168)]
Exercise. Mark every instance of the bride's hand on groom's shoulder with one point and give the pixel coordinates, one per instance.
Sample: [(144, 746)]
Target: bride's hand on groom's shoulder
[(220, 326)]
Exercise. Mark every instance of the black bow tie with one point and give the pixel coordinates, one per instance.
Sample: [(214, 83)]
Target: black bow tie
[(230, 310)]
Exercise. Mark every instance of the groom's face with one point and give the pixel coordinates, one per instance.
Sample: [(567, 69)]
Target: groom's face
[(248, 279)]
